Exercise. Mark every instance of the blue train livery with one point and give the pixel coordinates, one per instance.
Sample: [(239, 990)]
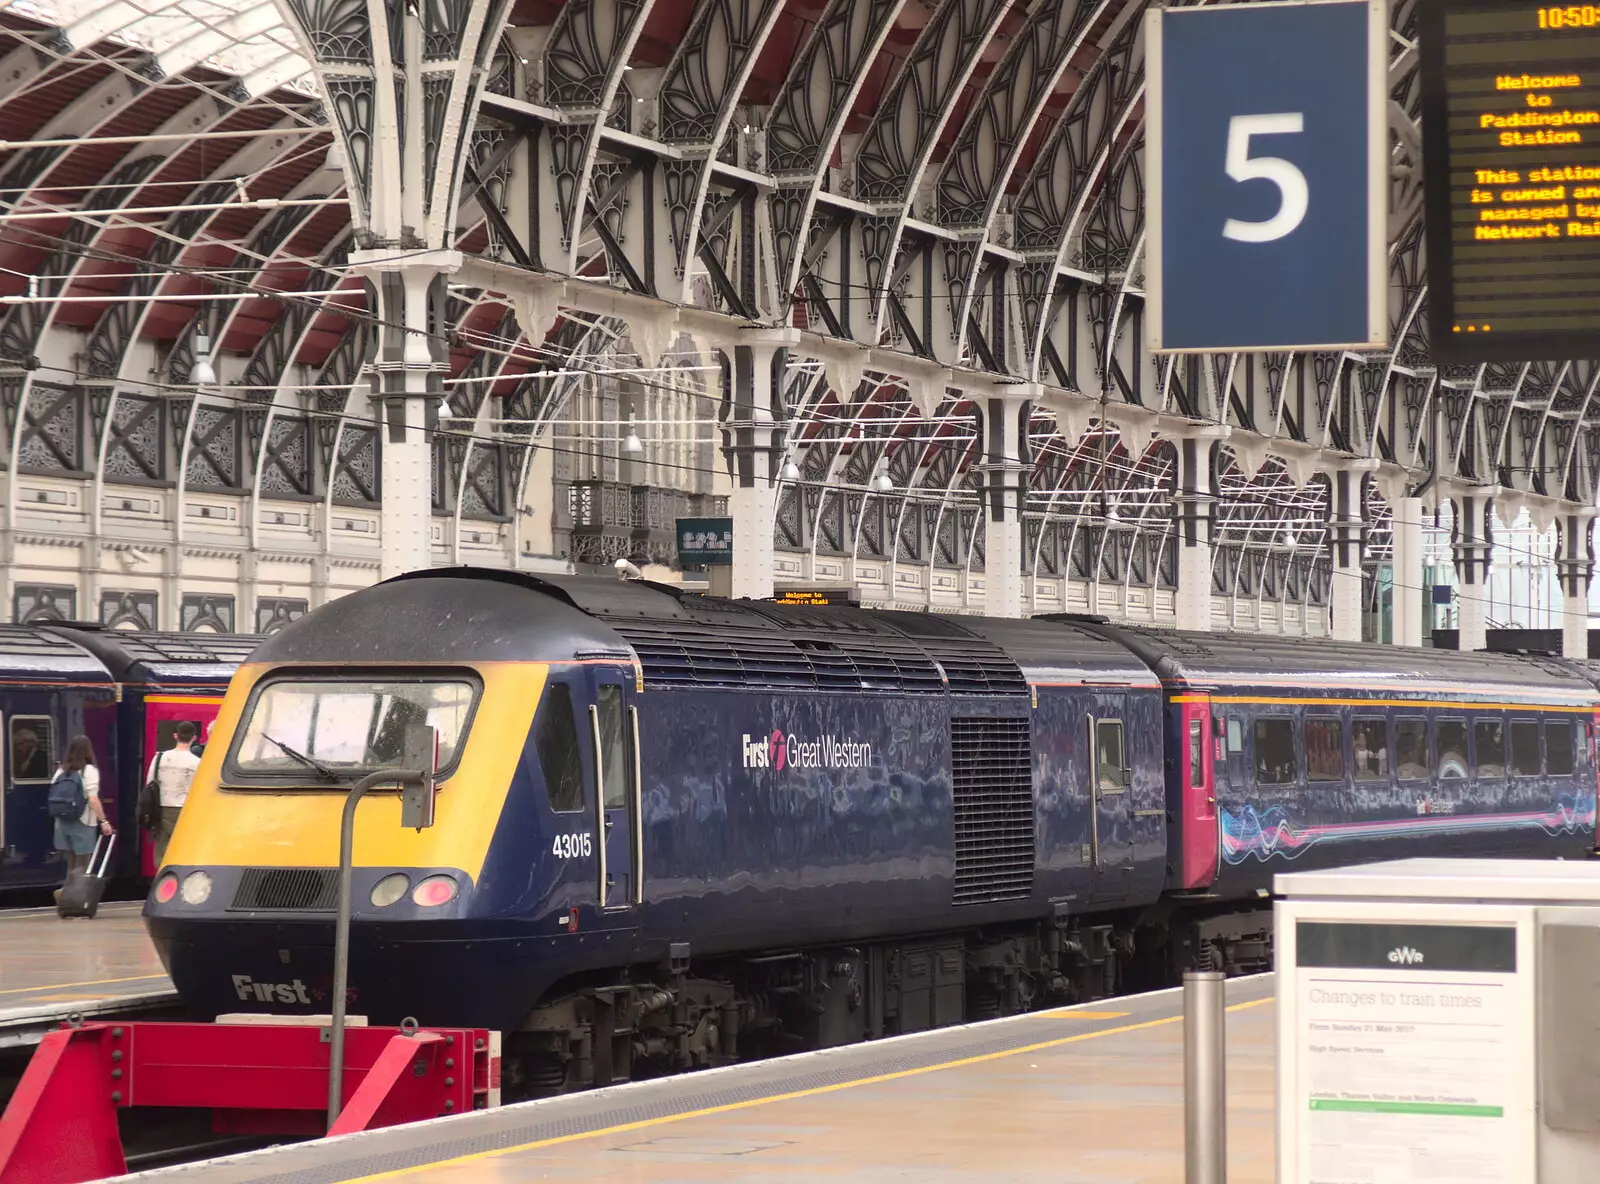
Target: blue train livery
[(673, 830)]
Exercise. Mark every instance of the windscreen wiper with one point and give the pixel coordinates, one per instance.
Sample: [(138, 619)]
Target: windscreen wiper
[(309, 762)]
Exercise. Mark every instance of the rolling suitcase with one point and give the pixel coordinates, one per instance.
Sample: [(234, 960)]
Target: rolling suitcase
[(80, 896)]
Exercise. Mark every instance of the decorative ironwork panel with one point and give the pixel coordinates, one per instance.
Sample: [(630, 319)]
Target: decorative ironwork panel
[(129, 610), (203, 612), (214, 449), (355, 477), (484, 495), (287, 467), (52, 430), (274, 612), (136, 449), (44, 602)]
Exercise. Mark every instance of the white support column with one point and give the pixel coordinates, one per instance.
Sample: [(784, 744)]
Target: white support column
[(1473, 547), (411, 361), (1347, 539), (1406, 524), (1576, 570), (1005, 486), (1197, 501), (754, 424)]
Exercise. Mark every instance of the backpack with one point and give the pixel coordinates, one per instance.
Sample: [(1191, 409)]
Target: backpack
[(148, 807), (67, 796)]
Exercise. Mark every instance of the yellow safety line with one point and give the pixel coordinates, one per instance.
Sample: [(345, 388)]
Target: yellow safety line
[(94, 982), (1252, 1003), (814, 1091)]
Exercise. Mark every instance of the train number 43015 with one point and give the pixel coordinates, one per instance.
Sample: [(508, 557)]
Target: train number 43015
[(579, 846)]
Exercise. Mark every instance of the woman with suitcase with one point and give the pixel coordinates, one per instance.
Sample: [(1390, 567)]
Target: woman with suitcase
[(77, 835)]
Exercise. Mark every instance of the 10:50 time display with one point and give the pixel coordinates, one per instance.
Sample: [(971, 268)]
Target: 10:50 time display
[(1573, 16)]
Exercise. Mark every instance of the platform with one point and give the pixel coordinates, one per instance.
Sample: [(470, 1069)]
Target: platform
[(1077, 1095), (50, 968)]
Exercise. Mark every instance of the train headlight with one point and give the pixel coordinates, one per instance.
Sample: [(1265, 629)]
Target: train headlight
[(166, 888), (196, 888), (434, 891), (390, 889)]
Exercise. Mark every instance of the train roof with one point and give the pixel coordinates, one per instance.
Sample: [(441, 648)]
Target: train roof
[(1253, 660), (684, 639), (158, 658), (444, 615), (35, 655)]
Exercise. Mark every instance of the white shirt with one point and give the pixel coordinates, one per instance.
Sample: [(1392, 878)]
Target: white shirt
[(176, 774), (91, 794)]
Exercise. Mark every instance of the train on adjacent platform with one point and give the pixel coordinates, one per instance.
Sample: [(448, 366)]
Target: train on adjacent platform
[(127, 691), (674, 830)]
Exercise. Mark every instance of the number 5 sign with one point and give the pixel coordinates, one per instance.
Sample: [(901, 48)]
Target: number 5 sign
[(1266, 145)]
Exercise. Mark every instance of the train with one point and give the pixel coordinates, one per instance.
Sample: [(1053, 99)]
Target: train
[(673, 831), (127, 691)]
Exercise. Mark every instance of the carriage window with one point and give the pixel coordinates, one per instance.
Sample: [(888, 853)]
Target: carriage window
[(1411, 748), (1235, 736), (1525, 748), (1275, 762), (557, 739), (1197, 755), (1488, 737), (1558, 755), (1369, 741), (1324, 749), (32, 747), (1108, 762), (1451, 740)]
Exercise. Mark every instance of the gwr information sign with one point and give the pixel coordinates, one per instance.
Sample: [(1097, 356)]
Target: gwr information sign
[(1511, 145)]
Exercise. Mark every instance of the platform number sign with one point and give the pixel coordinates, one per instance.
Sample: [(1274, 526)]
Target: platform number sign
[(1266, 176)]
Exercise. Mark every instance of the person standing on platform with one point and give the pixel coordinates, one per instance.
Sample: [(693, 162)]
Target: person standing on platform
[(173, 769), (76, 837)]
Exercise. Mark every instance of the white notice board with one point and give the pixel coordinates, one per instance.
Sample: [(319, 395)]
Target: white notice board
[(1406, 1037)]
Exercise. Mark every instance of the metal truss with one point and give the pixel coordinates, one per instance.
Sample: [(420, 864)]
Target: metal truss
[(949, 204)]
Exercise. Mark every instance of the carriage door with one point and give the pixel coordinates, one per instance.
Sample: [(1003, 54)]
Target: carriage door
[(613, 733), (1111, 823)]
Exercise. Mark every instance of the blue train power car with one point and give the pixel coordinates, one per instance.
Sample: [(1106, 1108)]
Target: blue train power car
[(674, 830)]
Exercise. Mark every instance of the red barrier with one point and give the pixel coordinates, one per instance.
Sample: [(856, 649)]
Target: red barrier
[(61, 1125)]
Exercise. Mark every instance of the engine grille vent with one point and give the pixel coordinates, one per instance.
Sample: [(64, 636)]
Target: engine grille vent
[(992, 764), (289, 889), (691, 655)]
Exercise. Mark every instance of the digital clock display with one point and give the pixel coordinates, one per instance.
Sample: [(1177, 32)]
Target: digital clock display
[(1511, 145)]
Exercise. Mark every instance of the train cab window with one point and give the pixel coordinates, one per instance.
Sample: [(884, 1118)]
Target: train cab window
[(1525, 748), (32, 748), (1369, 743), (1411, 748), (1489, 747), (1324, 749), (1275, 757), (331, 728), (1450, 739), (1197, 754), (614, 762), (559, 754), (1558, 752)]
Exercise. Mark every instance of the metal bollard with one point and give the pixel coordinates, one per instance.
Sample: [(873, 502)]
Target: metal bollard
[(1205, 1092)]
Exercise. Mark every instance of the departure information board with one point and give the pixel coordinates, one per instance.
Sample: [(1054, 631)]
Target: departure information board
[(1511, 145)]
